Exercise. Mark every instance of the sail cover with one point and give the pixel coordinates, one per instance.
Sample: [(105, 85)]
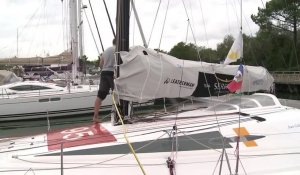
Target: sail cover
[(7, 77), (146, 74)]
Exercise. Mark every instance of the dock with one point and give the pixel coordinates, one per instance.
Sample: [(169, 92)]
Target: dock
[(286, 77)]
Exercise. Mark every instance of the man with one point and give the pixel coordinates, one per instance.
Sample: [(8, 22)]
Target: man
[(107, 63)]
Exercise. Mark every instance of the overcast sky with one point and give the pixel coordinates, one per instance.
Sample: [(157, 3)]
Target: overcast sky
[(40, 28)]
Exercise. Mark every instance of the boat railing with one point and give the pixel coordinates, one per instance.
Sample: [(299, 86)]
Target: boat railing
[(5, 94), (286, 77)]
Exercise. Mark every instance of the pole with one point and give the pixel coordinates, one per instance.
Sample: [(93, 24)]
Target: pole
[(122, 39), (62, 158), (74, 38), (139, 24)]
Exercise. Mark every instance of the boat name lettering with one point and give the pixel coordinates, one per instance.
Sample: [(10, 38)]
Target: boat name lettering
[(294, 126), (77, 133), (220, 86), (179, 82)]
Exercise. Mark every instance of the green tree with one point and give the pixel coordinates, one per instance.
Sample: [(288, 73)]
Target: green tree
[(281, 15), (224, 47), (208, 55), (277, 40), (185, 51)]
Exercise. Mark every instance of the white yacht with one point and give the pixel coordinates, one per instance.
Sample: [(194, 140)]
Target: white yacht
[(33, 99)]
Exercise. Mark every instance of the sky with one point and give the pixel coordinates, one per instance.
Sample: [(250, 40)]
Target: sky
[(38, 27)]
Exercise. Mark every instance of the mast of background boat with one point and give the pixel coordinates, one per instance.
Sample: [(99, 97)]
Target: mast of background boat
[(80, 44), (17, 42), (74, 38), (122, 39)]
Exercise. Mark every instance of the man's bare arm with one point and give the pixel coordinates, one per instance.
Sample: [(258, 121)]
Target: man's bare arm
[(101, 62)]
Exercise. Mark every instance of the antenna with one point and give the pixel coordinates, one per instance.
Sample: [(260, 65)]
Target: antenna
[(241, 15), (17, 41)]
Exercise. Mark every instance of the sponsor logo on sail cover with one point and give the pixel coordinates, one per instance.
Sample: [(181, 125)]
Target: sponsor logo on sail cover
[(179, 82)]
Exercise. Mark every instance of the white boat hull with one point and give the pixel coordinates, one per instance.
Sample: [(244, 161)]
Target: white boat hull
[(52, 104), (269, 144)]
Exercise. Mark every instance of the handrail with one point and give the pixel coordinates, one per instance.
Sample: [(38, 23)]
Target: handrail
[(285, 72), (286, 77), (25, 94)]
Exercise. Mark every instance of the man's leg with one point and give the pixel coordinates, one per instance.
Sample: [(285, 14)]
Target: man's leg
[(96, 110)]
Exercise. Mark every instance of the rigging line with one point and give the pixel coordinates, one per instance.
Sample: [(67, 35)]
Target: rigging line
[(241, 15), (174, 133), (187, 15), (200, 60), (243, 167), (43, 17), (147, 77), (205, 31), (111, 26), (32, 16), (237, 151), (161, 35), (91, 32), (140, 148), (263, 4), (37, 30), (62, 22), (201, 144), (233, 4), (96, 26), (98, 163), (67, 26), (222, 80), (139, 24), (161, 74), (125, 135), (133, 31), (154, 22), (187, 30), (207, 82), (227, 10)]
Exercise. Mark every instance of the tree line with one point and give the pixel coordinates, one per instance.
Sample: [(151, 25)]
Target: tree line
[(275, 46)]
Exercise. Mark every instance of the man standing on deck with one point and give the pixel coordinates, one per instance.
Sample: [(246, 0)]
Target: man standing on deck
[(107, 63)]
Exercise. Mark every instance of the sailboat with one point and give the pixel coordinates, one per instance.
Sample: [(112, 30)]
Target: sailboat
[(22, 100), (236, 134)]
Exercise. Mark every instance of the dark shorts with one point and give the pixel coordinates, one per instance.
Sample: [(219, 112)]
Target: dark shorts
[(106, 83)]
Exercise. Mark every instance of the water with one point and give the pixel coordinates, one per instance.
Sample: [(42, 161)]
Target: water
[(288, 91)]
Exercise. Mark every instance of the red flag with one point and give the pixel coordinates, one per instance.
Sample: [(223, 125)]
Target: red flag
[(237, 81)]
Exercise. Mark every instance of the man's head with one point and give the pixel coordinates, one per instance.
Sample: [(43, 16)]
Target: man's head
[(114, 41)]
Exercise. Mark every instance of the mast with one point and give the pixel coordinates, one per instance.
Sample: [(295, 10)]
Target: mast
[(80, 44), (74, 38), (122, 39)]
